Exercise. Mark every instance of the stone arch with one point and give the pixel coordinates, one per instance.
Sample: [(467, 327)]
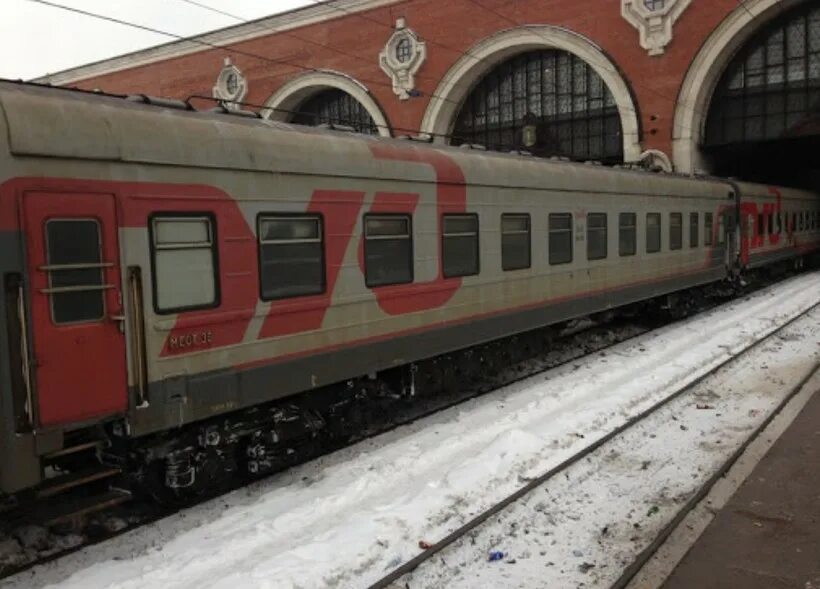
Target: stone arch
[(455, 86), (296, 91), (705, 72)]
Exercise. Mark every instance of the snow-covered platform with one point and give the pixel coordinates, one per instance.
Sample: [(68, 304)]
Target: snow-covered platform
[(348, 519)]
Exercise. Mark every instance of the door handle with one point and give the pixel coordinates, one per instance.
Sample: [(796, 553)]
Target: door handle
[(120, 319)]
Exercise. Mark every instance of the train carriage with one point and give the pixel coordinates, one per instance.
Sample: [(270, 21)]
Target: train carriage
[(166, 270)]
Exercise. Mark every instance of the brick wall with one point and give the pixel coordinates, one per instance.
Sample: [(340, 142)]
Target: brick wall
[(450, 28)]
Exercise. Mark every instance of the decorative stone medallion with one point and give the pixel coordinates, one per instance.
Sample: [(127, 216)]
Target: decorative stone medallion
[(655, 160), (401, 58), (231, 86), (654, 20)]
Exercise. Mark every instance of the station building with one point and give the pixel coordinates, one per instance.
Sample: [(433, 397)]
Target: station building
[(730, 87)]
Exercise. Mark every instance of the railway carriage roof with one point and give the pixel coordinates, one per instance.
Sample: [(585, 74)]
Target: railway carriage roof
[(56, 122)]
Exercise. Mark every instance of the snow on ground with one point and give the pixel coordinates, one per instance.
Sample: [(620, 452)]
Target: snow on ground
[(348, 518), (583, 528)]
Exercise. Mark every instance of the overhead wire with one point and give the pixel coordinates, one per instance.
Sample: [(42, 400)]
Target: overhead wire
[(196, 39), (259, 24)]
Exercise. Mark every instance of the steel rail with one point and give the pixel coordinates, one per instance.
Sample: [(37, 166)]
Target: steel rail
[(646, 554), (412, 564)]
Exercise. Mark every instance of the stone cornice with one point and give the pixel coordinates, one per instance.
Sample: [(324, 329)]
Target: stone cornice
[(262, 27)]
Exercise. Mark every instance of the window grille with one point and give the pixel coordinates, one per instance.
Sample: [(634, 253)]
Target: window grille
[(772, 84), (335, 107), (570, 106)]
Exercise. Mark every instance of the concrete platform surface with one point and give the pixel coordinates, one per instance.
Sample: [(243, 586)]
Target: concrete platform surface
[(768, 535)]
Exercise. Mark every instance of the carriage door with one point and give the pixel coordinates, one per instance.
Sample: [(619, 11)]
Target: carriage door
[(76, 306)]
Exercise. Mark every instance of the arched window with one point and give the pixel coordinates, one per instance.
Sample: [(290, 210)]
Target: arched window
[(549, 102), (336, 107), (772, 84)]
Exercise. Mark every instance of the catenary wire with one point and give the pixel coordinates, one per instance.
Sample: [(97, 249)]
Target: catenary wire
[(291, 34), (197, 40)]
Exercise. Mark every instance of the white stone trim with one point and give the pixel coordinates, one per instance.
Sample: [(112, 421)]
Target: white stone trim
[(402, 73), (704, 73), (654, 26), (262, 27), (656, 160), (462, 77), (221, 90), (297, 90)]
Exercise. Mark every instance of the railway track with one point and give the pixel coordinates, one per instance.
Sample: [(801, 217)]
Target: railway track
[(393, 580), (576, 341)]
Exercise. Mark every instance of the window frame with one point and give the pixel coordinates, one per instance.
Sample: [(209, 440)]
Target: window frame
[(634, 216), (675, 246), (528, 217), (708, 226), (217, 276), (659, 217), (102, 266), (694, 230), (606, 236), (571, 232), (444, 236), (260, 217), (366, 239)]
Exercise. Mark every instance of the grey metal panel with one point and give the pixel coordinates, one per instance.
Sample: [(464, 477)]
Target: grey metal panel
[(278, 380), (766, 258), (59, 123)]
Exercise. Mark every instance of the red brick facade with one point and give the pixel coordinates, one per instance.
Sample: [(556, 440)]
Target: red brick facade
[(350, 43)]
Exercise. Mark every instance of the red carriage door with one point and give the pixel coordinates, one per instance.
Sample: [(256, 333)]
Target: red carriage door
[(76, 306)]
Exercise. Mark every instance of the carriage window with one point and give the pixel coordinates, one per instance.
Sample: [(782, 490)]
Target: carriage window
[(388, 250), (596, 236), (291, 256), (794, 222), (515, 242), (459, 247), (653, 233), (693, 229), (721, 234), (75, 270), (184, 263), (760, 224), (560, 238), (770, 223), (707, 229), (675, 231), (627, 234), (778, 223)]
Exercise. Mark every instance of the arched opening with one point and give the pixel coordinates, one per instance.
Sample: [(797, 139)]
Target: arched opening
[(763, 120), (577, 105), (336, 107), (549, 102), (327, 97)]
